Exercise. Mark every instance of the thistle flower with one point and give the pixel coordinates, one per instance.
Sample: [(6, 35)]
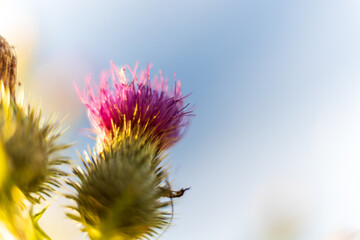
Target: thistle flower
[(31, 148), (118, 195), (144, 107), (7, 65)]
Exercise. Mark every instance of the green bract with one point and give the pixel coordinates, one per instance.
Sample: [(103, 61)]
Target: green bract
[(31, 149), (118, 194)]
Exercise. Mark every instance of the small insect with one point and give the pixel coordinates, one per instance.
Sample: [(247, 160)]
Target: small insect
[(169, 193)]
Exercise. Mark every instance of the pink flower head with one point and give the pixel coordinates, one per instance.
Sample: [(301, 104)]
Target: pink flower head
[(141, 106)]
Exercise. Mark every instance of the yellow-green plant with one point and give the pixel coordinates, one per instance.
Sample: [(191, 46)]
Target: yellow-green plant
[(30, 155), (122, 190)]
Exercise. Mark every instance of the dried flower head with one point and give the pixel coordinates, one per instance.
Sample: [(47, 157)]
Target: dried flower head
[(140, 105), (7, 65), (31, 148), (118, 195)]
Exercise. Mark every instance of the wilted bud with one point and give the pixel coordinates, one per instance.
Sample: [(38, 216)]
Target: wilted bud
[(7, 65), (118, 194)]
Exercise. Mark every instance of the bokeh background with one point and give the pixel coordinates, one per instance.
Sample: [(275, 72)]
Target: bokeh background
[(274, 150)]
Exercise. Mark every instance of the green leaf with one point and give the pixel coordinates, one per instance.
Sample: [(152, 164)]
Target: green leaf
[(39, 232)]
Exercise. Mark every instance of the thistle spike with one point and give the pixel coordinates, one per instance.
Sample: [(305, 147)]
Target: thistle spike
[(119, 195)]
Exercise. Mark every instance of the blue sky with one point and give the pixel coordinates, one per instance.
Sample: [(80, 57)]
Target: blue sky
[(275, 85)]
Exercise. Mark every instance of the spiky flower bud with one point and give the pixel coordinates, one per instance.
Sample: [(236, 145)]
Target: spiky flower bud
[(118, 194), (8, 65), (139, 105), (31, 148)]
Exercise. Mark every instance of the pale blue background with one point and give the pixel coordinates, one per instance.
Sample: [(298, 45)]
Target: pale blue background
[(276, 89)]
